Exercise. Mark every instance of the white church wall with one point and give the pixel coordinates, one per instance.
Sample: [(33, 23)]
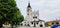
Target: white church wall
[(32, 18)]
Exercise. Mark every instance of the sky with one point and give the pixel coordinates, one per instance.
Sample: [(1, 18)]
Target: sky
[(48, 9)]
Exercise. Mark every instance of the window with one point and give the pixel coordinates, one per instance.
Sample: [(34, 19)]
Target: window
[(31, 22), (27, 14), (52, 23), (37, 22), (41, 25), (57, 22), (35, 17), (25, 24), (28, 25)]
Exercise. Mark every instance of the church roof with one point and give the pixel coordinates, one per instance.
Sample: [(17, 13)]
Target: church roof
[(54, 21), (41, 20), (29, 5)]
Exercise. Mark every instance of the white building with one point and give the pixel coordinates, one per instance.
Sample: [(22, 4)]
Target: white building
[(32, 18)]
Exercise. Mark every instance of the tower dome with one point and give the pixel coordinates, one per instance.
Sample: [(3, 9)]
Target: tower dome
[(29, 5)]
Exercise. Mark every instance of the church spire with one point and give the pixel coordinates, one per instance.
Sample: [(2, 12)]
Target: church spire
[(29, 9), (29, 5)]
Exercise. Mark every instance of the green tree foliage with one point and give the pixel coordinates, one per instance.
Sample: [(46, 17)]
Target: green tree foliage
[(9, 12)]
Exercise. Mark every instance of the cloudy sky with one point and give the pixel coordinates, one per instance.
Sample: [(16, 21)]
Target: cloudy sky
[(48, 9)]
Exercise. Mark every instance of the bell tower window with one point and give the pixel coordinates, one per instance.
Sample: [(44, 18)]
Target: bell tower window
[(27, 14), (34, 17)]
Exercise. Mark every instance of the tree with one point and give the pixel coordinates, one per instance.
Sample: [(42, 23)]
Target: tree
[(9, 12)]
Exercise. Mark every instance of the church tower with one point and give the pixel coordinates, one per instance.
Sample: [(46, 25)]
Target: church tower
[(29, 9), (32, 18)]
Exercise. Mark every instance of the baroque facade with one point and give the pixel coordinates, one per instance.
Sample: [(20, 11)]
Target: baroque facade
[(32, 18)]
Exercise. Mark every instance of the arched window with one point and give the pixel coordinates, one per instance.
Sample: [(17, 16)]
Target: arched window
[(28, 25), (34, 17), (52, 23), (31, 22), (37, 22), (41, 25), (57, 22)]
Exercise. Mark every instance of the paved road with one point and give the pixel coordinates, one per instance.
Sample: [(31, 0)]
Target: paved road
[(33, 27), (28, 27), (24, 27)]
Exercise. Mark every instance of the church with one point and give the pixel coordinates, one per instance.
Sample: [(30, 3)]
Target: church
[(32, 18)]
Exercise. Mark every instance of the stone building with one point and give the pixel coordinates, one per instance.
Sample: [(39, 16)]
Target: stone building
[(50, 23), (32, 18)]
